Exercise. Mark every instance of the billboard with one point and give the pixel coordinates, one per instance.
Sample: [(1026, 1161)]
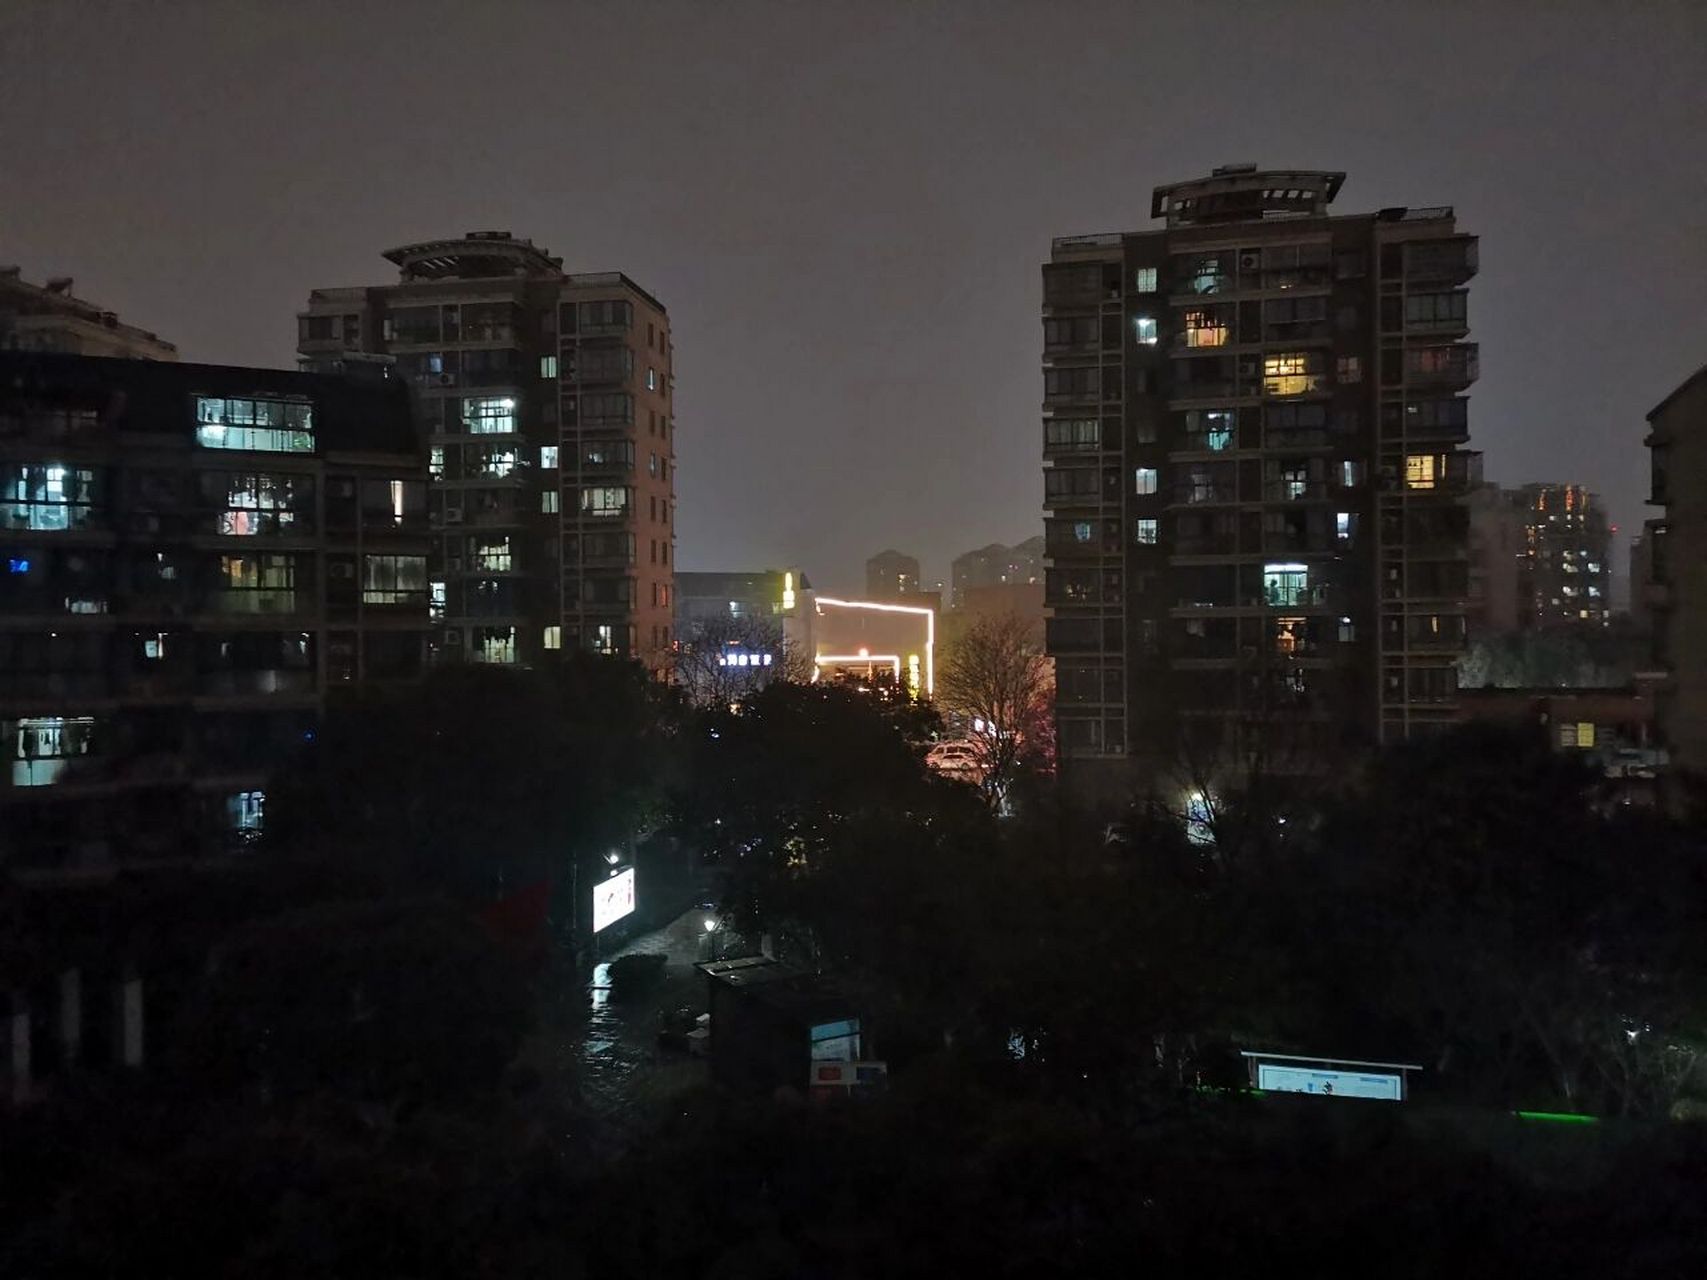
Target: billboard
[(1333, 1084), (613, 899)]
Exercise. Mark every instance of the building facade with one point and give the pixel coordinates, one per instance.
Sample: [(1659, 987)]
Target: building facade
[(1254, 477), (738, 631), (196, 558), (1498, 546), (1676, 589), (1565, 572), (549, 400), (889, 575), (50, 317), (995, 566)]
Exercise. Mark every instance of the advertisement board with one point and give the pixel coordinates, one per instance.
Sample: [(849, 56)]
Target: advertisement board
[(1333, 1084), (613, 899)]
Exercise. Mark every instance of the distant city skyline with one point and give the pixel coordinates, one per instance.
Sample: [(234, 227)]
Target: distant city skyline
[(845, 207)]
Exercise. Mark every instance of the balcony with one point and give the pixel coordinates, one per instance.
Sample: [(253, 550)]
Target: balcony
[(1453, 367), (1446, 261), (1296, 491)]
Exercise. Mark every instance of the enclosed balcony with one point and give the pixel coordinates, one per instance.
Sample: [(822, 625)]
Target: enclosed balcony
[(1451, 260)]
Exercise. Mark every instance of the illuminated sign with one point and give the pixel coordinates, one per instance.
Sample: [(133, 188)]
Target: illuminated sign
[(922, 613), (1329, 1084), (613, 899)]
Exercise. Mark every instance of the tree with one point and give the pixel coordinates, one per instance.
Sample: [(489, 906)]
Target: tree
[(713, 664), (995, 678), (482, 779)]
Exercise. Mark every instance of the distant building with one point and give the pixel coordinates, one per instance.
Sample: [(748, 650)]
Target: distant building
[(1613, 729), (196, 559), (1254, 478), (1640, 580), (879, 645), (1022, 599), (1565, 571), (996, 565), (1497, 546), (50, 318), (738, 630), (1676, 591), (548, 398), (889, 575)]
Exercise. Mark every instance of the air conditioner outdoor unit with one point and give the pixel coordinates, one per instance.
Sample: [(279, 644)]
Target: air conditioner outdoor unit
[(453, 636), (1250, 261), (453, 515), (447, 379)]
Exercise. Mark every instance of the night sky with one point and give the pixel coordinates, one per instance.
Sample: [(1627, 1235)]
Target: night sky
[(845, 206)]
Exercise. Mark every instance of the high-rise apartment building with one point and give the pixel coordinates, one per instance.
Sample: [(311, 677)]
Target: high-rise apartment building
[(1254, 472), (1676, 588), (195, 559), (890, 575), (1565, 571), (1498, 545), (995, 565), (549, 401), (49, 317)]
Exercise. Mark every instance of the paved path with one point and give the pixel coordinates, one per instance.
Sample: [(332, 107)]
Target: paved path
[(603, 1054)]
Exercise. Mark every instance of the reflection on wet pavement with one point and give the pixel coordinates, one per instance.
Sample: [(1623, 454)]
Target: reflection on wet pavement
[(600, 1048)]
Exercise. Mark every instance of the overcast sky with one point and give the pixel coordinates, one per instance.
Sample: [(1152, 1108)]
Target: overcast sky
[(844, 206)]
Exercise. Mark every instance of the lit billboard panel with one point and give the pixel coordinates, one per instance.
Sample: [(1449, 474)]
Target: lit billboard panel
[(1329, 1084), (613, 899)]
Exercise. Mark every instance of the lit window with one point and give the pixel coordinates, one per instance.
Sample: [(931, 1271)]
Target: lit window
[(554, 637), (436, 462), (611, 500), (1082, 531), (246, 810), (257, 584), (1205, 329), (1287, 373), (495, 645), (604, 638), (1348, 631), (1145, 327), (548, 366), (1210, 428), (46, 496), (1351, 474), (489, 417), (1144, 280), (1422, 471), (548, 501), (1144, 481), (1285, 584), (547, 456), (651, 379), (1147, 529), (44, 747), (265, 426), (491, 553), (257, 504), (435, 601), (394, 579), (1345, 525)]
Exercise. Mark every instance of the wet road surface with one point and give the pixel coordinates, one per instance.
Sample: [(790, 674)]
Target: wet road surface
[(598, 1050)]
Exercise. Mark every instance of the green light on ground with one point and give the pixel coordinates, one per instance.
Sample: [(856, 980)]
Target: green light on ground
[(1557, 1117)]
